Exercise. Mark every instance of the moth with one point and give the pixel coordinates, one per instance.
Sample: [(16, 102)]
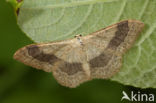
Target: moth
[(83, 58)]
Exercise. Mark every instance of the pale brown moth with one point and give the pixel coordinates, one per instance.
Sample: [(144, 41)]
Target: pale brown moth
[(74, 61)]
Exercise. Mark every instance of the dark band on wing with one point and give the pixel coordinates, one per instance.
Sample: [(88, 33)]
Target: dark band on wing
[(36, 53), (70, 68), (120, 35), (100, 61)]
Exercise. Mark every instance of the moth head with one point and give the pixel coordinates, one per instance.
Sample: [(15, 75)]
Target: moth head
[(78, 36)]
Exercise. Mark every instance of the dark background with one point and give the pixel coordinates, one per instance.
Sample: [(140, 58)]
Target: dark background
[(23, 84)]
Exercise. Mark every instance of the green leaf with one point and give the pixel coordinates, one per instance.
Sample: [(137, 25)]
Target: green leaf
[(49, 20), (13, 3), (16, 4)]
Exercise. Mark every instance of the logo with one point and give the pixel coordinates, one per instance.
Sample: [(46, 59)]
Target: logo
[(137, 96)]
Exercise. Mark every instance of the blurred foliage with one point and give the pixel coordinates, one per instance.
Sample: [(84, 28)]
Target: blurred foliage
[(22, 84)]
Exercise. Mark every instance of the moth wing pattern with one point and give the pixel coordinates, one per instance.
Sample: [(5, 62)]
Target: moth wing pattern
[(61, 58), (72, 63), (70, 71), (135, 27), (40, 56), (108, 46)]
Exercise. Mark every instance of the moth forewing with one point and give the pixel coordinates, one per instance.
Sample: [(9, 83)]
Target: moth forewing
[(74, 61)]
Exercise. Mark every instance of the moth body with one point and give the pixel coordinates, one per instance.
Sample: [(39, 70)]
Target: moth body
[(74, 61)]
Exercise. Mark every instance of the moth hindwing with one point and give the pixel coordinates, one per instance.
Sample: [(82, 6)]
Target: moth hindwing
[(74, 61)]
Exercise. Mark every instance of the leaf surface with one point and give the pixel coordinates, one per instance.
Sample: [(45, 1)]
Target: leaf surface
[(51, 20)]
